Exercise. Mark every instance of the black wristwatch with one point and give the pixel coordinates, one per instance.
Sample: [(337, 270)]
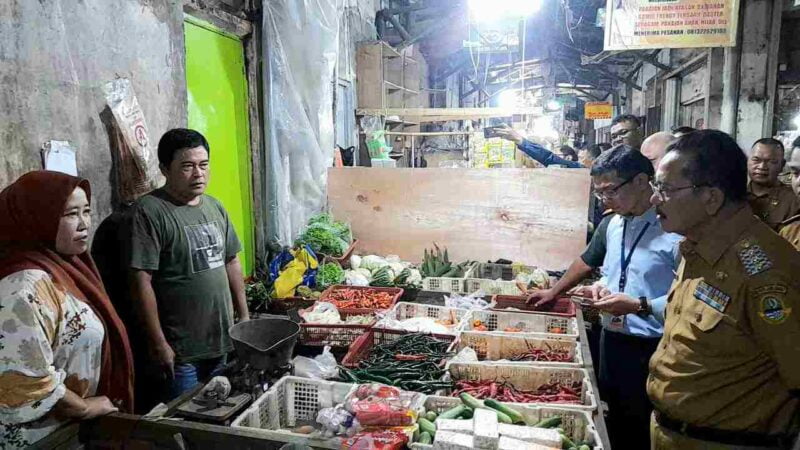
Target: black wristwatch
[(644, 307)]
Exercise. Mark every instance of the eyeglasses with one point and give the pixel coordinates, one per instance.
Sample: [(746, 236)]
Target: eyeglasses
[(663, 193), (611, 193)]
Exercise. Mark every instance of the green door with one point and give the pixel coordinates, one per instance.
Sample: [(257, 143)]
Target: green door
[(217, 91)]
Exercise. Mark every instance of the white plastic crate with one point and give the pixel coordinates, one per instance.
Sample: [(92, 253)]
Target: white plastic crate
[(531, 324), (577, 425), (491, 348), (290, 403), (527, 378), (406, 310), (491, 287), (441, 284)]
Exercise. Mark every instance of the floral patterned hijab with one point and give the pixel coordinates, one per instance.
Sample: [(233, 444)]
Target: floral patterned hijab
[(30, 212)]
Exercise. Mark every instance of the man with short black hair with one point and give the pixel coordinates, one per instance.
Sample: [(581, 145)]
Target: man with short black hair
[(186, 277), (725, 374), (626, 129), (772, 201), (637, 270)]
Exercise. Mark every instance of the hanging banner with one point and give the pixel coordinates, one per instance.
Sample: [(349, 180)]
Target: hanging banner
[(597, 110), (656, 24)]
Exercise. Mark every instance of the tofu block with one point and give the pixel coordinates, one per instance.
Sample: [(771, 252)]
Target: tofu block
[(485, 428), (454, 425), (448, 440), (543, 436), (507, 443)]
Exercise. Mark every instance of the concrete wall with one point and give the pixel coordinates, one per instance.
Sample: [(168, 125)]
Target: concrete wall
[(55, 55)]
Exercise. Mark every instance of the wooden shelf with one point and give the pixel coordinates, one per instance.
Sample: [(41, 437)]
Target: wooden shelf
[(390, 52), (395, 87)]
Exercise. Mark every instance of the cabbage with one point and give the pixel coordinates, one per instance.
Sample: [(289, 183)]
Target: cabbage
[(355, 262), (415, 277), (396, 267), (372, 262), (365, 272), (355, 278)]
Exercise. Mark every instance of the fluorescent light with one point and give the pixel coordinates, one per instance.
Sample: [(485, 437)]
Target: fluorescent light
[(553, 105), (543, 128), (508, 99), (491, 10)]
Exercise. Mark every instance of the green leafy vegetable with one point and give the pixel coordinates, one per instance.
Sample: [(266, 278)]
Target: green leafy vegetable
[(322, 238), (330, 274)]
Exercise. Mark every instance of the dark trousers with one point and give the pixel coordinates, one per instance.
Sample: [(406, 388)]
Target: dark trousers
[(624, 363)]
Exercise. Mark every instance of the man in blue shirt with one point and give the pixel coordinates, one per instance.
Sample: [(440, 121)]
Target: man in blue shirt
[(637, 272), (537, 152)]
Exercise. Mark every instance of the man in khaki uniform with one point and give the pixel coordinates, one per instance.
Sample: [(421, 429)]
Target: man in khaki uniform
[(771, 200), (726, 373)]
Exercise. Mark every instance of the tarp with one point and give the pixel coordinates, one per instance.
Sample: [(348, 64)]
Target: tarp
[(300, 45)]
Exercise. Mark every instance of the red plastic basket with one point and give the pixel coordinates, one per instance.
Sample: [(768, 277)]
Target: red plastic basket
[(396, 293), (343, 260), (362, 347), (335, 335), (561, 306)]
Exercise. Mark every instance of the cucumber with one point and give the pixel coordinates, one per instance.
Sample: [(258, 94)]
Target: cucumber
[(431, 416), (514, 415), (550, 422), (584, 447), (467, 414), (566, 442), (501, 416), (470, 401), (425, 438), (427, 426), (452, 413)]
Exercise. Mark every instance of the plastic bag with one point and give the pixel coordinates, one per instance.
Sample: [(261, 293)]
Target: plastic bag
[(376, 440), (336, 420), (378, 405), (416, 325), (292, 268), (471, 301), (322, 367), (467, 354), (376, 141), (322, 312)]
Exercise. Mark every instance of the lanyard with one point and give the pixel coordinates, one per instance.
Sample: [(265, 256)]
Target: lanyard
[(626, 261)]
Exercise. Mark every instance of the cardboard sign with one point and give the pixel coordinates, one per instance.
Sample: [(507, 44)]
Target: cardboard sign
[(597, 110)]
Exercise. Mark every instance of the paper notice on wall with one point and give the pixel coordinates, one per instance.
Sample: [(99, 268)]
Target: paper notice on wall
[(656, 24), (59, 156)]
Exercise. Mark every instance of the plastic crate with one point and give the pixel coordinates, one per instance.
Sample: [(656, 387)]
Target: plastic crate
[(527, 378), (491, 348), (494, 271), (561, 306), (441, 284), (577, 425), (396, 293), (532, 324), (404, 310), (290, 403), (491, 287), (335, 335), (362, 347)]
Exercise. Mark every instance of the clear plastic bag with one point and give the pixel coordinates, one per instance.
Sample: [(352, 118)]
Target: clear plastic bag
[(383, 406), (471, 301), (322, 367)]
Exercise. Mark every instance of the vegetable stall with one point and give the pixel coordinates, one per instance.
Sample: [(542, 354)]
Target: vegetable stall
[(415, 338)]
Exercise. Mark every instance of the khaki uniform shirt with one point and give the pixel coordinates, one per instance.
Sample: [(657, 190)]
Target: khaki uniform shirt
[(790, 230), (730, 354), (776, 206)]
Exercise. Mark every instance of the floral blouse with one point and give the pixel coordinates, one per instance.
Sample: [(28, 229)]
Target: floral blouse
[(49, 342)]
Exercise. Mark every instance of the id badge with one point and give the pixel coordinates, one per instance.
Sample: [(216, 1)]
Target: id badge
[(617, 323)]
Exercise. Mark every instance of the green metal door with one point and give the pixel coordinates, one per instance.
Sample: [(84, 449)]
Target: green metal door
[(217, 91)]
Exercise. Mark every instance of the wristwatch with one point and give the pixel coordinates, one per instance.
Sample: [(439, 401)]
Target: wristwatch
[(644, 307)]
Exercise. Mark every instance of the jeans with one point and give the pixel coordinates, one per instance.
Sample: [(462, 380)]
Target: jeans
[(188, 375)]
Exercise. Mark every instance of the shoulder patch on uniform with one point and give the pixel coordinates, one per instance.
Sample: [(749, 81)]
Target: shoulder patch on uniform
[(712, 296), (773, 310), (770, 289), (753, 258)]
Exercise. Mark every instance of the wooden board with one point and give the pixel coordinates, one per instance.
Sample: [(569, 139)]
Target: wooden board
[(534, 216)]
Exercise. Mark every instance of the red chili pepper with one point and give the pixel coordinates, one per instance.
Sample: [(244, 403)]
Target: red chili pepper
[(410, 357)]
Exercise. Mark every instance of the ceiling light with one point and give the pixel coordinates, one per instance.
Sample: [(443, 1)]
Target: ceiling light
[(553, 105), (508, 99)]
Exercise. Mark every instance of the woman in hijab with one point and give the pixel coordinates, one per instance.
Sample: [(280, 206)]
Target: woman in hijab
[(64, 353)]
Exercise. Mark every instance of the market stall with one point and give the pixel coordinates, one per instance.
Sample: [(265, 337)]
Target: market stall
[(390, 333)]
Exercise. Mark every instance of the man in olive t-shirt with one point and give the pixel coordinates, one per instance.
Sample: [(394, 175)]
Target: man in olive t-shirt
[(186, 275)]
